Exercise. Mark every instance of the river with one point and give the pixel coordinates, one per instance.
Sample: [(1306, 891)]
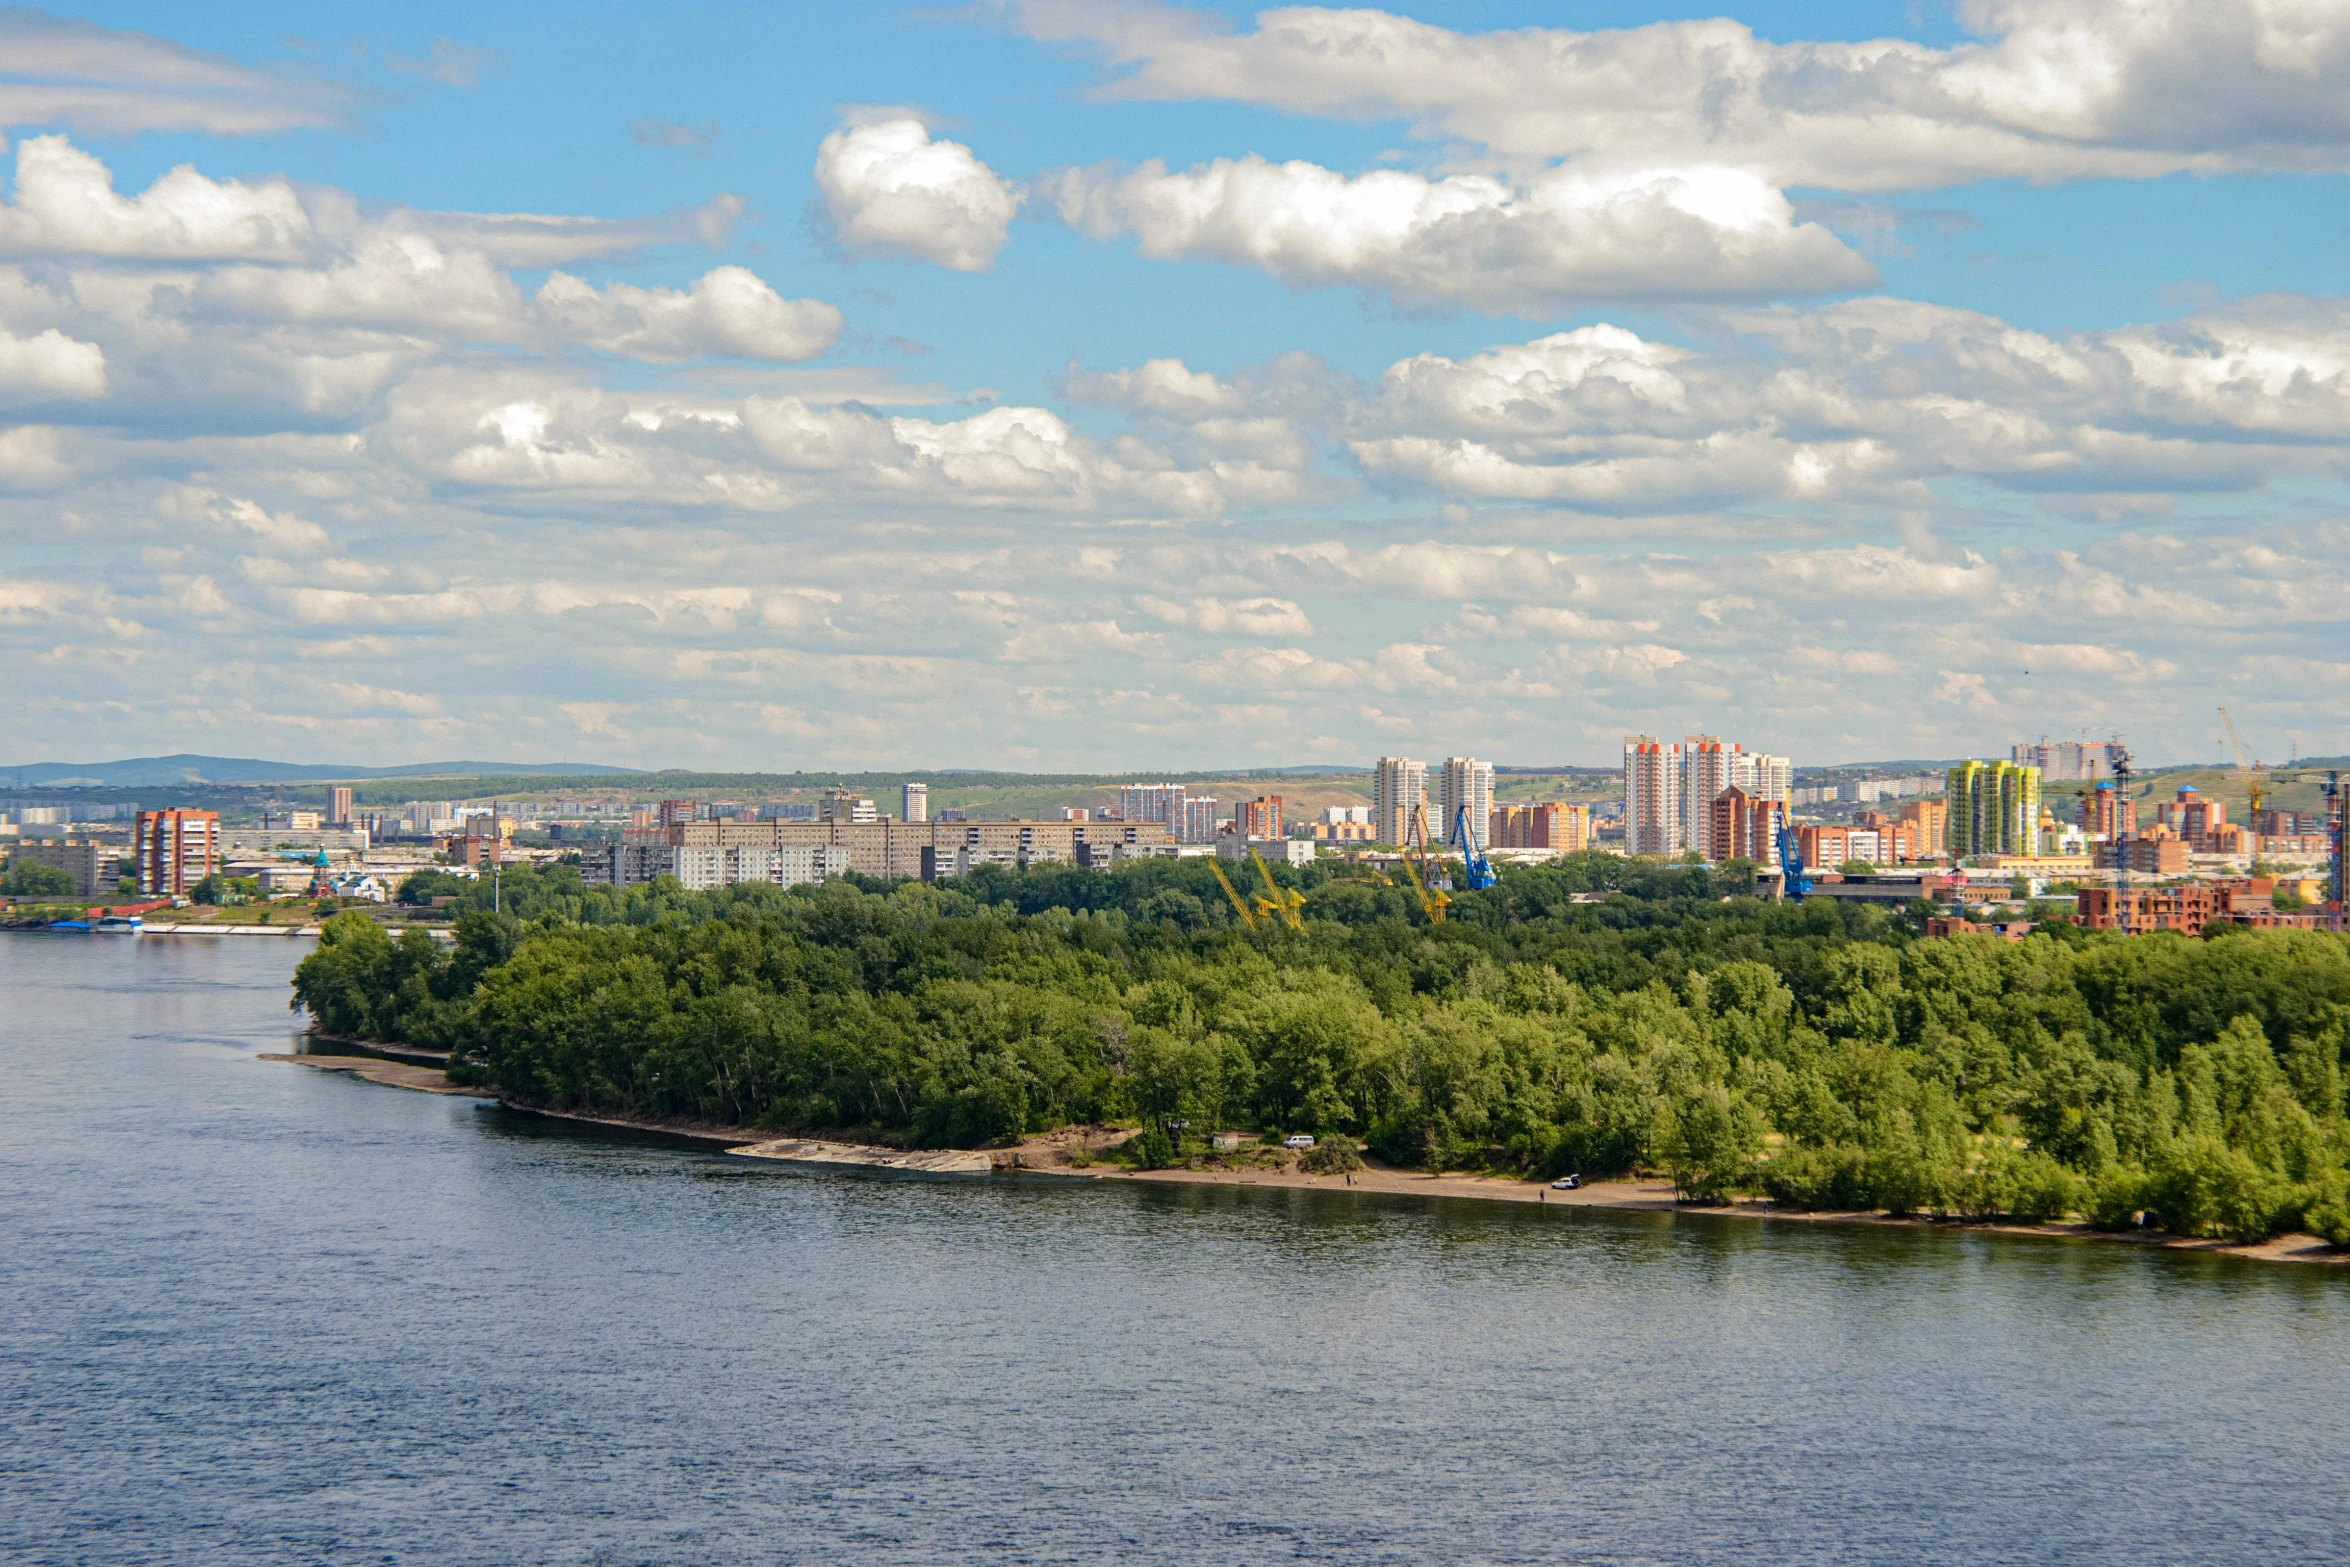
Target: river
[(256, 1313)]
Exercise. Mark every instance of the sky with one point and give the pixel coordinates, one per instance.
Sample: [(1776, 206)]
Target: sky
[(1113, 386)]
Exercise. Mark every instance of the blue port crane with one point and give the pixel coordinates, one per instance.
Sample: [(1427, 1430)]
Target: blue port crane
[(1477, 872), (1791, 867)]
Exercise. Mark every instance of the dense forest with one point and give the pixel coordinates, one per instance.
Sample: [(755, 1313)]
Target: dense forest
[(1824, 1054)]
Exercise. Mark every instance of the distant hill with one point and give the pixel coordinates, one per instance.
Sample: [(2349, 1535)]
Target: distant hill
[(188, 769)]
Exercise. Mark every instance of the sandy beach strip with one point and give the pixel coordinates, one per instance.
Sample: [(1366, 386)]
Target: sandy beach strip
[(392, 1074)]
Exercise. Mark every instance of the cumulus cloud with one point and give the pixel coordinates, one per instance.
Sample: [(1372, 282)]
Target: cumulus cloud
[(49, 365), (730, 312), (2054, 89), (890, 189), (1870, 399), (1470, 240), (64, 203)]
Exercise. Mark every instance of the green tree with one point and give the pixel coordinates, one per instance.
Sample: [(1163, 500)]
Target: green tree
[(30, 879)]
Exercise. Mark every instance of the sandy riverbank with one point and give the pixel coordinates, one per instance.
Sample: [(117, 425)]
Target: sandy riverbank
[(392, 1074), (1047, 1157)]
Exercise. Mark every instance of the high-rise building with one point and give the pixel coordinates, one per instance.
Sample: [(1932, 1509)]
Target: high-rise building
[(338, 806), (1707, 768), (174, 850), (1652, 797), (1258, 818), (1994, 809), (1197, 821), (1763, 776), (1159, 802), (1466, 785), (914, 803), (1399, 787), (2067, 761), (1929, 824), (676, 813)]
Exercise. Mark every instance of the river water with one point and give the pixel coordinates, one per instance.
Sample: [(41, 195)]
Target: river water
[(259, 1313)]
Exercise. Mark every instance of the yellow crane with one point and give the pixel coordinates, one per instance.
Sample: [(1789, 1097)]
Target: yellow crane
[(1283, 901), (2245, 772), (1432, 904), (1247, 915)]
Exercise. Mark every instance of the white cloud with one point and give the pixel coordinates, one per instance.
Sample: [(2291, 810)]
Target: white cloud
[(64, 203), (1256, 617), (730, 312), (892, 190), (1470, 240), (113, 82), (49, 365), (2056, 89)]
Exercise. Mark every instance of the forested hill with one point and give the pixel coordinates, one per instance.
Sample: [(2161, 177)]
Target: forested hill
[(1824, 1054)]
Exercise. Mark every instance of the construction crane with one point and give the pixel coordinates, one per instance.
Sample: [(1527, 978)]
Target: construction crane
[(1796, 876), (2244, 771), (2118, 755), (1285, 901), (2338, 841), (1248, 915), (1433, 901), (1478, 870)]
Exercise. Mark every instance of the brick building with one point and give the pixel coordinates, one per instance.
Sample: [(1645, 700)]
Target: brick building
[(175, 849)]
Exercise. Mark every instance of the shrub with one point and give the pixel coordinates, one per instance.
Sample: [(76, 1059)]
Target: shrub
[(1150, 1150), (1331, 1156)]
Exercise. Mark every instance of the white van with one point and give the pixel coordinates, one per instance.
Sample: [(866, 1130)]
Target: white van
[(1300, 1140)]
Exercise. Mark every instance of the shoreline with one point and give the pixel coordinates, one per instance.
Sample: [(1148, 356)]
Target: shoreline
[(1030, 1159)]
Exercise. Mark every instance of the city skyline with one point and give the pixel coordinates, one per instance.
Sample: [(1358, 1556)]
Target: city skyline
[(1087, 386)]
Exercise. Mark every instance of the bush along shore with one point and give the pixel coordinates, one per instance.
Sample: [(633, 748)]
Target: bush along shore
[(1825, 1056)]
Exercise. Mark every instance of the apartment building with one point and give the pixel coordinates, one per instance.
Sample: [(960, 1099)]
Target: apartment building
[(914, 802), (1399, 788), (1258, 818), (1198, 820), (1653, 779), (175, 849), (1739, 826), (2067, 761), (91, 865), (1551, 825), (883, 849), (1994, 809), (1465, 788), (1929, 824), (338, 806)]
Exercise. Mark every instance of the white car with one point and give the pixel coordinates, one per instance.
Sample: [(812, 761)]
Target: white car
[(1567, 1183), (1297, 1140)]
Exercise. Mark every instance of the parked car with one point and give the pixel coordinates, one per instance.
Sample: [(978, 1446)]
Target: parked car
[(1298, 1140), (1566, 1183)]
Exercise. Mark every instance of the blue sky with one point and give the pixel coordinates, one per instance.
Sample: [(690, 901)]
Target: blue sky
[(1813, 402)]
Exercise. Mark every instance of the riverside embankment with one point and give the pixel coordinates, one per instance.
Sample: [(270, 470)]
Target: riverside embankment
[(1050, 1157)]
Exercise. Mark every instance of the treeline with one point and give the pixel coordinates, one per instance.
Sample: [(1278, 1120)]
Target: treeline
[(1823, 1054)]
